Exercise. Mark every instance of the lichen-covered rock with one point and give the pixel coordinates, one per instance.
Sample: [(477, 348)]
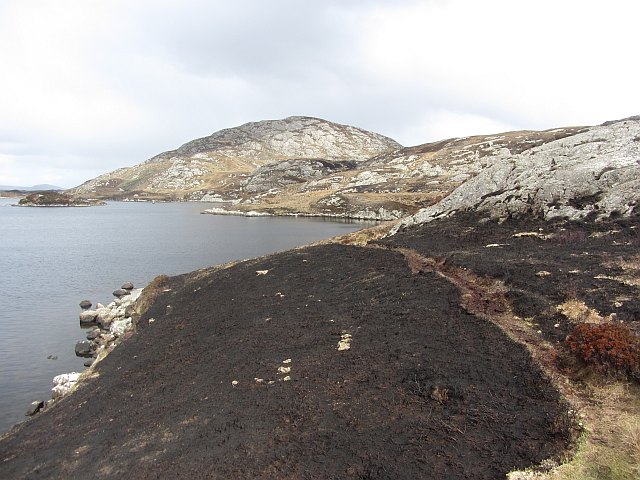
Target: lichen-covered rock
[(105, 317), (88, 317), (119, 327)]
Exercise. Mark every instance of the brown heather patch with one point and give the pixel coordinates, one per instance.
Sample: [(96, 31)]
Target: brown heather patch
[(610, 348)]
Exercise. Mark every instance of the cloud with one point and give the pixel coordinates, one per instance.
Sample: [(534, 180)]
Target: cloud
[(99, 85), (541, 63), (438, 125)]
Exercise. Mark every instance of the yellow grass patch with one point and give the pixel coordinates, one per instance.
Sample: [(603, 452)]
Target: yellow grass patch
[(578, 312)]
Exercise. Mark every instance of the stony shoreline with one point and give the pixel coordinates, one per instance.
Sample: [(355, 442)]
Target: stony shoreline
[(106, 327), (380, 215)]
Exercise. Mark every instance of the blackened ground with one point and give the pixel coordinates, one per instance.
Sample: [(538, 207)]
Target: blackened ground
[(586, 261), (425, 391)]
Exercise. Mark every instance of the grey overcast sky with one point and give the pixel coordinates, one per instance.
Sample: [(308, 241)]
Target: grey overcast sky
[(87, 86)]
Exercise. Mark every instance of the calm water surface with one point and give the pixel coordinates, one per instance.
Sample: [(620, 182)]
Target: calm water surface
[(52, 258)]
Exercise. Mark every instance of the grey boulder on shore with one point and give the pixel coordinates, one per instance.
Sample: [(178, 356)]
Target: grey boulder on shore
[(88, 317), (84, 348)]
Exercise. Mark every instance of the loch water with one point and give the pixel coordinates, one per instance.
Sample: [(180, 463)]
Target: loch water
[(52, 258)]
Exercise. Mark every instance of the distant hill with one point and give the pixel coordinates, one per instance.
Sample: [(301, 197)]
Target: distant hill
[(221, 163), (34, 188)]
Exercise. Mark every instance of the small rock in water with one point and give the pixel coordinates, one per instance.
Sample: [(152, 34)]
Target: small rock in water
[(84, 348), (52, 357), (34, 408), (121, 292), (93, 334), (85, 304), (89, 362), (127, 286)]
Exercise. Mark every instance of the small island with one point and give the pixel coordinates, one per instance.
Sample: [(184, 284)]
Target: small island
[(56, 199)]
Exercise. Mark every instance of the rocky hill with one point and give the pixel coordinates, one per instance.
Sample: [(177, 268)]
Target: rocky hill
[(308, 166), (217, 166), (568, 172)]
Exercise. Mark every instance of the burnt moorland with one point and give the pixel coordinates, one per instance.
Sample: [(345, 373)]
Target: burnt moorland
[(413, 356)]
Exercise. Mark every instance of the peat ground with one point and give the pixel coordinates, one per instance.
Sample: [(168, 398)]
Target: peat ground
[(234, 374)]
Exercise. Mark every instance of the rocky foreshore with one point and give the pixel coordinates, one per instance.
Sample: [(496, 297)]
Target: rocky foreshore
[(108, 323), (378, 215), (107, 326)]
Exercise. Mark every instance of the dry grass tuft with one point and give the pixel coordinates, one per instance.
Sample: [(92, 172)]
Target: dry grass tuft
[(363, 237), (578, 312), (630, 436)]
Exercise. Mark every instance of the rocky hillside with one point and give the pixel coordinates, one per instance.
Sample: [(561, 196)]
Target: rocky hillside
[(570, 172), (218, 165), (303, 165), (595, 172)]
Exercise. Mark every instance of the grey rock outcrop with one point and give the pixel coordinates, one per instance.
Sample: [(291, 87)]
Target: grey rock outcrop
[(594, 173), (290, 172), (114, 324), (308, 166)]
